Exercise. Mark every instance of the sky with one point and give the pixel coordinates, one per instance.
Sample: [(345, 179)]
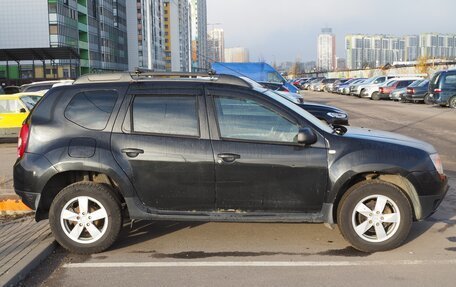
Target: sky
[(287, 30)]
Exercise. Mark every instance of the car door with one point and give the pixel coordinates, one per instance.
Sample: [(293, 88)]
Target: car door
[(259, 166), (164, 147), (12, 112)]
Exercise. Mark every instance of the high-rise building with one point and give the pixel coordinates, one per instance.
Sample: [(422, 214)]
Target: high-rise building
[(216, 45), (237, 55), (379, 50), (146, 38), (326, 59), (373, 51), (199, 35), (95, 29), (177, 35), (437, 46)]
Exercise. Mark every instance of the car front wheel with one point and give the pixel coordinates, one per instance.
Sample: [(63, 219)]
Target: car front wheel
[(85, 218), (374, 216)]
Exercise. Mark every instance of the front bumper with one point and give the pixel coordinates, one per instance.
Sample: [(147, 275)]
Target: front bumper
[(431, 189)]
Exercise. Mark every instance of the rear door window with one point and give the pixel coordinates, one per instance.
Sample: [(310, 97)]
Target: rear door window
[(165, 115), (449, 81), (91, 109)]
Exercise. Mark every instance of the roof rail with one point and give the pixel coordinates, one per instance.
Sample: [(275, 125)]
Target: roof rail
[(141, 75)]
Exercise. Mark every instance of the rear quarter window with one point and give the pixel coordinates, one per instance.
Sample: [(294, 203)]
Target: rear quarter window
[(91, 109)]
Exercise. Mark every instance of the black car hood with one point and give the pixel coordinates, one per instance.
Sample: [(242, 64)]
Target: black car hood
[(387, 137), (324, 108)]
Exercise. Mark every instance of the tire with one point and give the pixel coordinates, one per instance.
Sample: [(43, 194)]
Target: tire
[(360, 94), (375, 96), (378, 234), (75, 229), (452, 102), (427, 99)]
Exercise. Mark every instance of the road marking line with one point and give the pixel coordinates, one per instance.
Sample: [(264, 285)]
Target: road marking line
[(259, 264)]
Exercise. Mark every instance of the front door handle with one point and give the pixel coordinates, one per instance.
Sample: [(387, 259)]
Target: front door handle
[(132, 152), (228, 157)]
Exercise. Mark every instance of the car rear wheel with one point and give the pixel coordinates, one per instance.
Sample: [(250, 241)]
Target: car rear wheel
[(374, 216), (375, 96), (85, 218), (427, 99), (452, 102)]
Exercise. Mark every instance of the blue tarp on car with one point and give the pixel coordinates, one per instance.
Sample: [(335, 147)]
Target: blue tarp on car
[(259, 72)]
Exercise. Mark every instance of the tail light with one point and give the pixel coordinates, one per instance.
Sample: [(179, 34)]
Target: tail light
[(23, 140), (437, 91), (381, 90), (410, 91)]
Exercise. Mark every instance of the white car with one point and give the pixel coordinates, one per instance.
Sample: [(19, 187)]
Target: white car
[(358, 90)]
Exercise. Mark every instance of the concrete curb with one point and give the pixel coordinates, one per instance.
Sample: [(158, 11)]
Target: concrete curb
[(20, 271)]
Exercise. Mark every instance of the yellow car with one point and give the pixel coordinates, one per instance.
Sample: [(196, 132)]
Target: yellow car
[(13, 111)]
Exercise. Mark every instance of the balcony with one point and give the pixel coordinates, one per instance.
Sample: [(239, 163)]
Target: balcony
[(82, 9), (82, 27)]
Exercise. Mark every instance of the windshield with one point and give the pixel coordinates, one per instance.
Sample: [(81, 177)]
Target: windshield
[(297, 110), (368, 81)]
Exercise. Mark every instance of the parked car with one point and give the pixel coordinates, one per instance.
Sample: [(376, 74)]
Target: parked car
[(260, 72), (418, 92), (442, 88), (43, 86), (328, 114), (307, 84), (397, 94), (13, 111), (299, 82), (345, 88), (335, 86), (397, 83), (323, 86), (358, 90), (315, 83), (213, 149), (9, 90)]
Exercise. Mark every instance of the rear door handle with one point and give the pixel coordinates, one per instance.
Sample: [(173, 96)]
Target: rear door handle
[(228, 157), (132, 152)]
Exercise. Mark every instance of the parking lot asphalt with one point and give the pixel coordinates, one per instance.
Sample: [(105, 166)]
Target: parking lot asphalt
[(245, 254)]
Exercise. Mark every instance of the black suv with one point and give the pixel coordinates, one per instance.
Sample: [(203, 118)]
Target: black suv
[(213, 148), (442, 88)]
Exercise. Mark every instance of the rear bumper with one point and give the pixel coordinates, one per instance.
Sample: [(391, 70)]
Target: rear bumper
[(384, 96), (414, 97), (9, 132)]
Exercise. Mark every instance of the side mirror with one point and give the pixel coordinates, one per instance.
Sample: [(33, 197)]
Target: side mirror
[(22, 111), (306, 136)]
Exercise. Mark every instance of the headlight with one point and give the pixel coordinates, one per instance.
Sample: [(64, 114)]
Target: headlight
[(337, 115), (437, 163)]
